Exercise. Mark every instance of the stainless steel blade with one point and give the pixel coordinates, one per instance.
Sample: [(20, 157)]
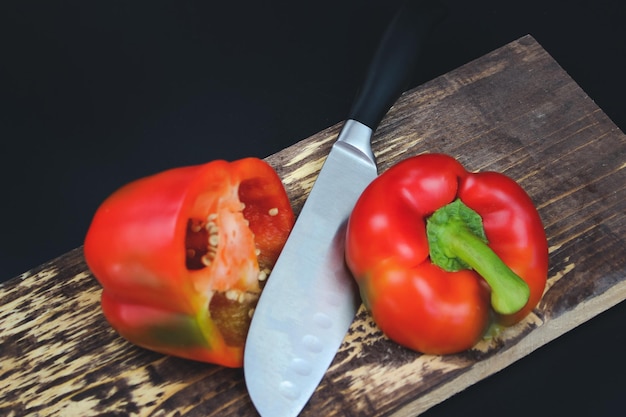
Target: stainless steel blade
[(296, 339)]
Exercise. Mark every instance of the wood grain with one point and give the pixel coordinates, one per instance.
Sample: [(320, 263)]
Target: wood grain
[(513, 110)]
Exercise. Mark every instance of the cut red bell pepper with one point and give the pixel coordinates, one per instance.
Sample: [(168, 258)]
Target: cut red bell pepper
[(439, 253), (182, 256)]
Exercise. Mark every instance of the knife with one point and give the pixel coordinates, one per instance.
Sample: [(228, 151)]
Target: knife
[(310, 299)]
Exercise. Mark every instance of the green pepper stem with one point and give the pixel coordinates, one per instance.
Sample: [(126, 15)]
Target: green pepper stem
[(456, 239), (509, 293)]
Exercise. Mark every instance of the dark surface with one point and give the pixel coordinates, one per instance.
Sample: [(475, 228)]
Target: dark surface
[(95, 94)]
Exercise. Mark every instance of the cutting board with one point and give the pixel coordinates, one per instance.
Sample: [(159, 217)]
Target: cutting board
[(513, 110)]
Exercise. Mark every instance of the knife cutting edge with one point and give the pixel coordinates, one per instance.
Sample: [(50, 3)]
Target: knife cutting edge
[(310, 299)]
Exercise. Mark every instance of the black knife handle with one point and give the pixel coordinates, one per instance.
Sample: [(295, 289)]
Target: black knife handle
[(395, 59)]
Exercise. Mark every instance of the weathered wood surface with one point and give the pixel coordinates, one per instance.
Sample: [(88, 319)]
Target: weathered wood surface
[(514, 110)]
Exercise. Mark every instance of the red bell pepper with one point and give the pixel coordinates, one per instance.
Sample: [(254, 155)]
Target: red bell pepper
[(182, 256), (440, 253)]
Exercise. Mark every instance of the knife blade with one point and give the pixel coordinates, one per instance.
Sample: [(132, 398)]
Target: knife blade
[(310, 299)]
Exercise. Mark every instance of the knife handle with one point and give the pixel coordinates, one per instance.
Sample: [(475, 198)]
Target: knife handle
[(395, 59)]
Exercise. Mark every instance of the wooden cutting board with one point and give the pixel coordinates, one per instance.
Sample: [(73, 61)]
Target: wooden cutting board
[(514, 111)]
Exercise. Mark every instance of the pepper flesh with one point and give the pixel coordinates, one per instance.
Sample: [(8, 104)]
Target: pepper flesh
[(416, 302), (182, 256)]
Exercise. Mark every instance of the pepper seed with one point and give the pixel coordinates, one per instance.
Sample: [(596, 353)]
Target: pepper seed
[(232, 295), (206, 260), (263, 274), (196, 225)]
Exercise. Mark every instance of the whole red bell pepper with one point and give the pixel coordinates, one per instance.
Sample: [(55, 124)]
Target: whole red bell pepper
[(182, 256), (440, 253)]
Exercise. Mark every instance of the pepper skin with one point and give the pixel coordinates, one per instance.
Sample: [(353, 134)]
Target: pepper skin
[(182, 256), (428, 305)]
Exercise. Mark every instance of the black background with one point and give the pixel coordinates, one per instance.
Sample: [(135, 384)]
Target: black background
[(94, 94)]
